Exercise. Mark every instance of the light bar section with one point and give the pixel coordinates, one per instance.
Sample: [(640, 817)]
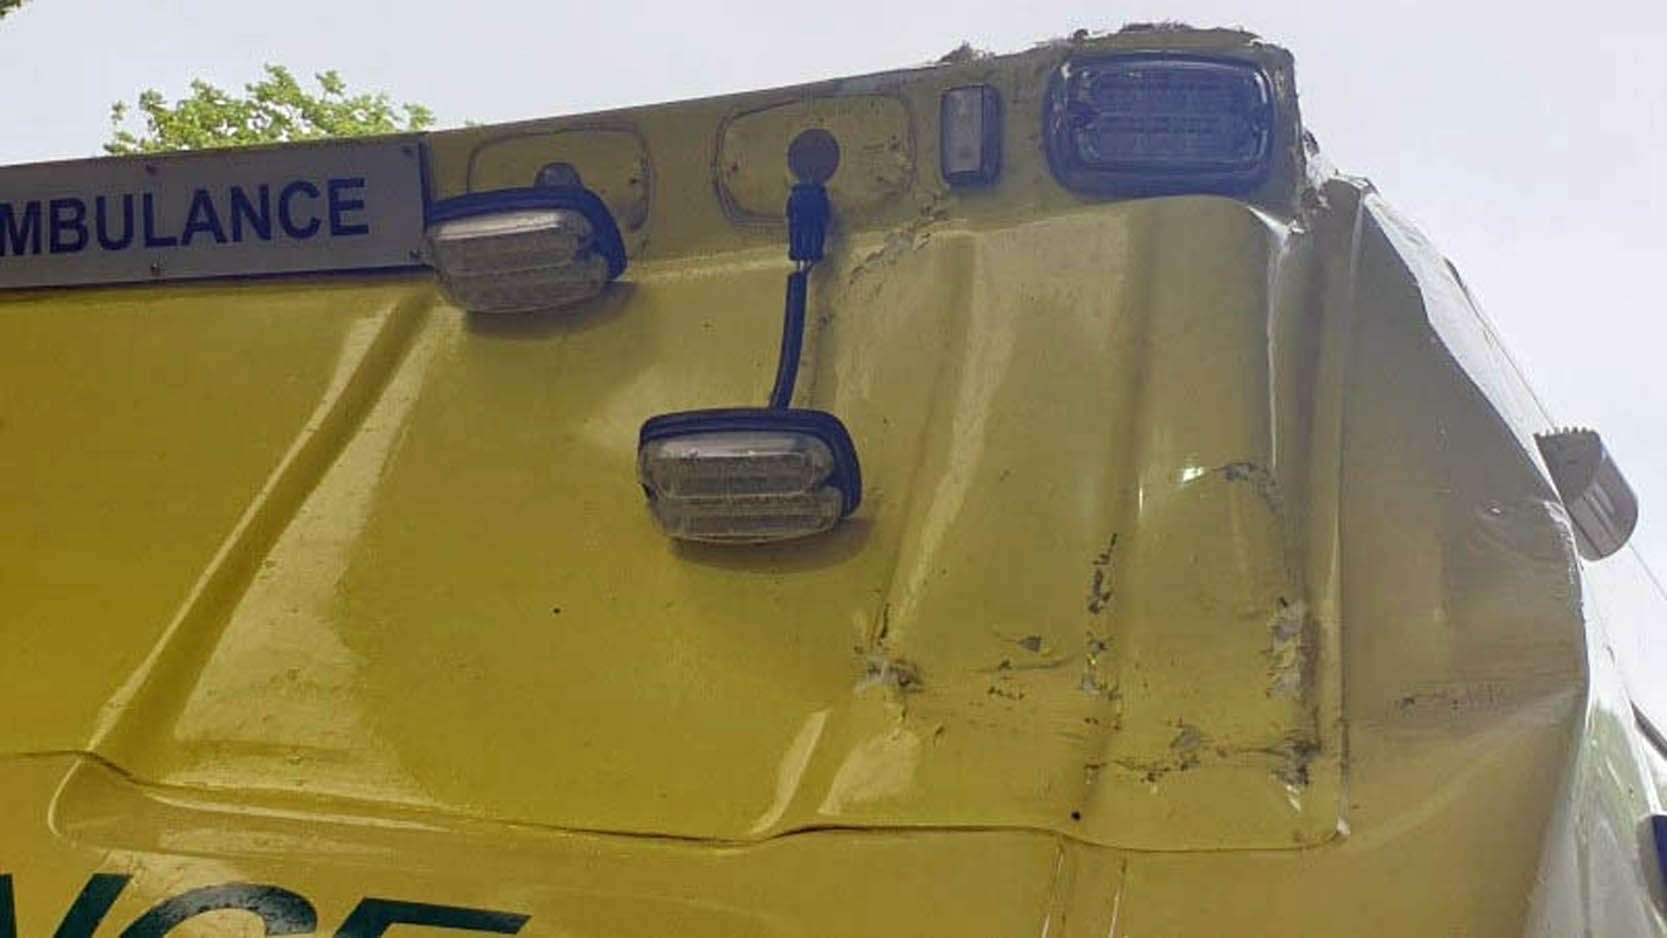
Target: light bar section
[(523, 250), (747, 475), (1150, 124), (741, 463)]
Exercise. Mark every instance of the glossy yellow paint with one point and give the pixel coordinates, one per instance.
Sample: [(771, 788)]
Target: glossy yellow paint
[(1206, 575), (138, 428)]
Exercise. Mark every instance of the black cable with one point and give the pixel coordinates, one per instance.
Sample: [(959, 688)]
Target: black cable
[(792, 337), (807, 228)]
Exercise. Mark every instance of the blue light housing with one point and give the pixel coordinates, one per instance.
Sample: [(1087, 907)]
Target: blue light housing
[(1155, 124), (520, 250), (748, 475)]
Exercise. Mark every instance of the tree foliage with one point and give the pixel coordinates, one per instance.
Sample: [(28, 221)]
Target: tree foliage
[(276, 109), (7, 6)]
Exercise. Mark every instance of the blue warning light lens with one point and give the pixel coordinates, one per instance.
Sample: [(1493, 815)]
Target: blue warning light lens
[(1149, 125)]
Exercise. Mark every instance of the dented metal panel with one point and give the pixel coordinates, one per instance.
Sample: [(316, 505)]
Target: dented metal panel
[(870, 677), (1206, 571)]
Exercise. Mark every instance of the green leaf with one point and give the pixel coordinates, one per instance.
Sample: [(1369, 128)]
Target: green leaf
[(276, 109)]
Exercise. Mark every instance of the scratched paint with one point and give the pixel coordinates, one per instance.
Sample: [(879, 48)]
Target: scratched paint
[(1205, 581)]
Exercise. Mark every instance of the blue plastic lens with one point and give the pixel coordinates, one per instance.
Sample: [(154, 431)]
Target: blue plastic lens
[(1143, 124)]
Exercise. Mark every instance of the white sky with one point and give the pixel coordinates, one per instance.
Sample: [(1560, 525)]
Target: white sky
[(1529, 146)]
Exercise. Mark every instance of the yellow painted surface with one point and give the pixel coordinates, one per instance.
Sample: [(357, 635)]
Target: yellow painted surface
[(135, 429), (905, 670), (1202, 579)]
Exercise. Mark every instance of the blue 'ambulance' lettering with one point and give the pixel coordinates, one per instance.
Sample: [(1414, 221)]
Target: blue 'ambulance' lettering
[(286, 209), (299, 210), (202, 218), (69, 226), (257, 214), (105, 239), (20, 229), (340, 206), (152, 239)]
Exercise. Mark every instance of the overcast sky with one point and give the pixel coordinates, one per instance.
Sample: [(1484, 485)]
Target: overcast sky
[(1531, 148)]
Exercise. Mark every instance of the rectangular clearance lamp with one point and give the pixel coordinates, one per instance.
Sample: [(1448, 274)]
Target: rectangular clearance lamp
[(969, 135), (522, 250), (748, 475), (752, 475), (1158, 124), (1603, 510)]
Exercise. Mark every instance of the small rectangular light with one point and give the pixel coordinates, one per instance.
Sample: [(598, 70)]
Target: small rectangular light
[(750, 519), (518, 262), (969, 135), (739, 463), (1148, 124), (1603, 510), (520, 250), (748, 475)]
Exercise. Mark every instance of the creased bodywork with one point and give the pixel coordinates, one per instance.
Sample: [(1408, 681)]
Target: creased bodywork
[(1206, 571), (906, 670)]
